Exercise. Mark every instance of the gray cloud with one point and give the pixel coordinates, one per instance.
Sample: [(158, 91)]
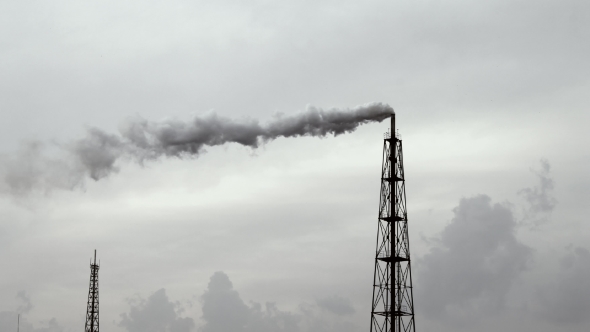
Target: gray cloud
[(96, 155), (566, 299), (156, 314), (540, 199), (225, 311), (475, 263)]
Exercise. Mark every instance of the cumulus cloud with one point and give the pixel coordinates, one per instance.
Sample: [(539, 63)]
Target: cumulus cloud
[(474, 264), (39, 166), (225, 311), (566, 300), (539, 198), (156, 314)]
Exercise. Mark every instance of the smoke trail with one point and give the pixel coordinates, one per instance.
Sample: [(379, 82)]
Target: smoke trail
[(96, 155)]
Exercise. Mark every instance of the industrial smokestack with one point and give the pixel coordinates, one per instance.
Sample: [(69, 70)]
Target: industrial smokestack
[(139, 140)]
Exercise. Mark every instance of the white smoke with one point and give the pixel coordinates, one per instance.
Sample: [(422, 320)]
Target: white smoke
[(96, 155)]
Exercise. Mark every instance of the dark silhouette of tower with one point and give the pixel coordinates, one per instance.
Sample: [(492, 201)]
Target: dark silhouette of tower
[(393, 301), (92, 309)]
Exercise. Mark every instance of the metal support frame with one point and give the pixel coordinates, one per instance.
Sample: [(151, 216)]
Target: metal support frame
[(393, 301), (92, 309)]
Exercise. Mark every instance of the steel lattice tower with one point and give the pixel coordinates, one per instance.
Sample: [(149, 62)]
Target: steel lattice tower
[(393, 301), (92, 309)]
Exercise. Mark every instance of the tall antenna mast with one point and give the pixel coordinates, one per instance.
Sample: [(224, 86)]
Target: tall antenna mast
[(393, 300), (18, 323), (92, 308)]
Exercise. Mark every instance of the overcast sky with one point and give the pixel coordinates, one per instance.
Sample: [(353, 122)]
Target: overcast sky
[(491, 101)]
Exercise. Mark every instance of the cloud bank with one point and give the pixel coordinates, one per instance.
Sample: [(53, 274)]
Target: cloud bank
[(566, 299), (156, 314), (474, 264), (223, 310)]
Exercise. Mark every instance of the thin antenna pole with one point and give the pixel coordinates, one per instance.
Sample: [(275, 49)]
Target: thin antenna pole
[(18, 324)]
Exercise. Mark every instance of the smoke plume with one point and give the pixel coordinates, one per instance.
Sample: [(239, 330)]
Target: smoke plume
[(96, 155)]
